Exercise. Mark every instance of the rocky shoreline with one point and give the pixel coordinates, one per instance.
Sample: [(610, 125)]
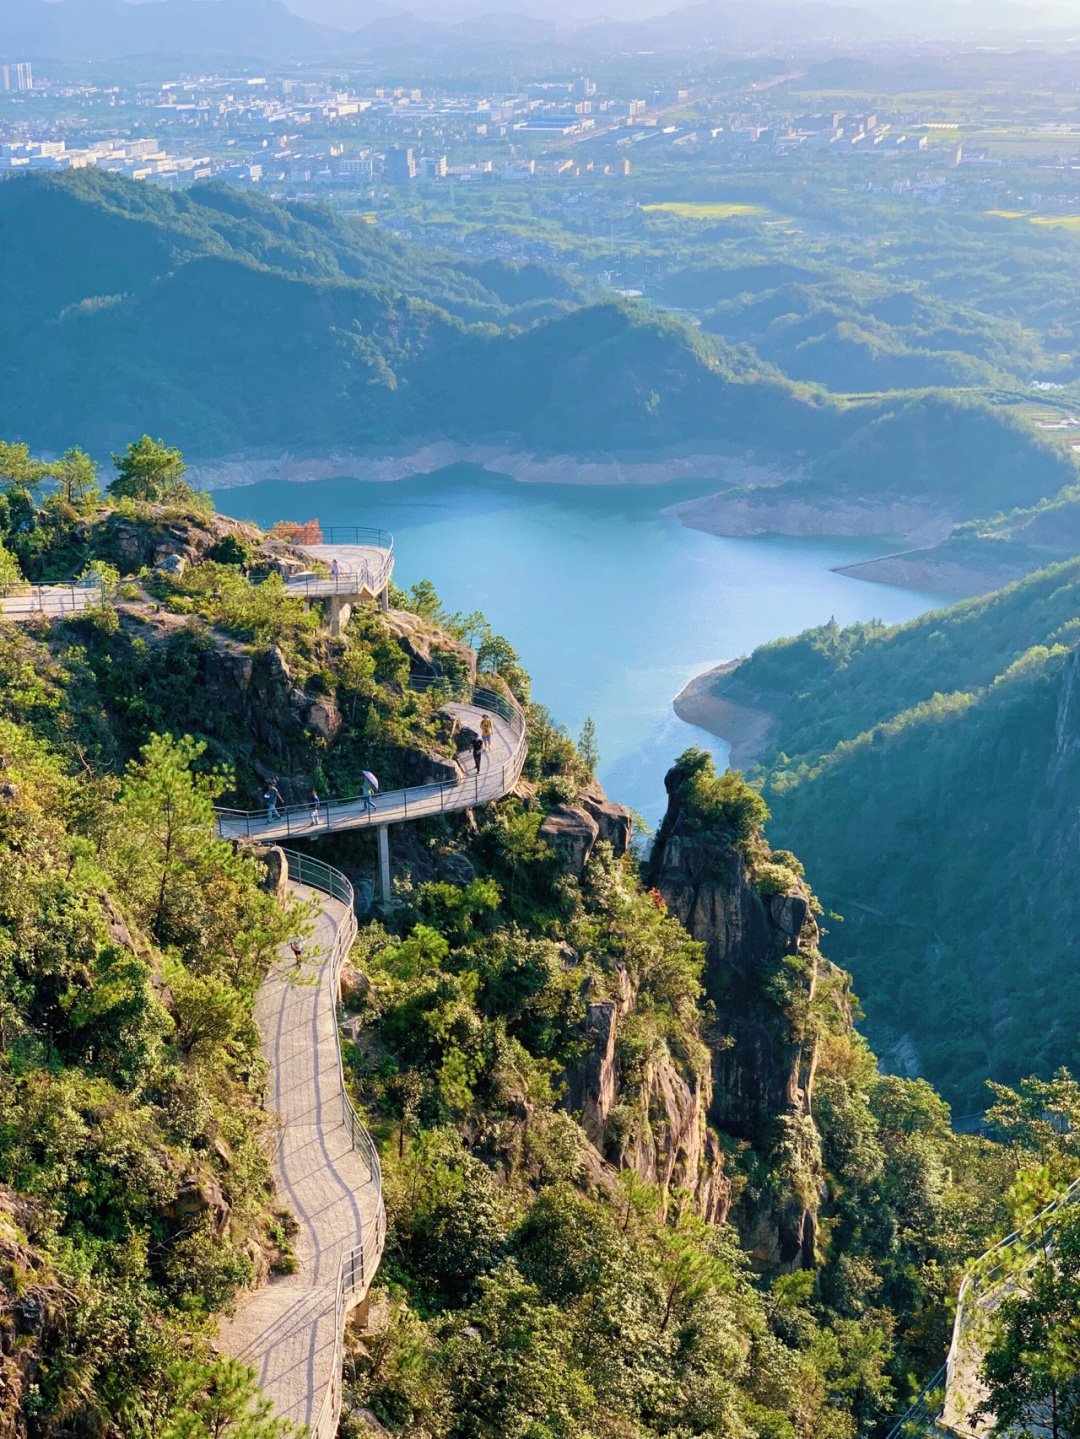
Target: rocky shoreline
[(744, 727), (744, 514), (528, 467)]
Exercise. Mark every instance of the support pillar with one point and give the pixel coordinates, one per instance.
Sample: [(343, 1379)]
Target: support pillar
[(383, 831), (384, 597), (340, 610)]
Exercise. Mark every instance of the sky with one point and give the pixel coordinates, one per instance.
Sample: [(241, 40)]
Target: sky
[(339, 12)]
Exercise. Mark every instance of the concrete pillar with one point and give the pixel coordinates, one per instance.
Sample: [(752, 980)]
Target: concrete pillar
[(384, 598), (340, 610), (383, 831)]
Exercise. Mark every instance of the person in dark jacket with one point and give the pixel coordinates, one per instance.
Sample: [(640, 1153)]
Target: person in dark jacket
[(477, 752)]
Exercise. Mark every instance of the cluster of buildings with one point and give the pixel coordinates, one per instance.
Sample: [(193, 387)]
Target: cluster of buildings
[(138, 159), (17, 77)]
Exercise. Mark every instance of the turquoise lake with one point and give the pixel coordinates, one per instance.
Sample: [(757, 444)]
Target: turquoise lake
[(611, 605)]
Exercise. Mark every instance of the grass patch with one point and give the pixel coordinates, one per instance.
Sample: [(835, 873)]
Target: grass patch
[(702, 210)]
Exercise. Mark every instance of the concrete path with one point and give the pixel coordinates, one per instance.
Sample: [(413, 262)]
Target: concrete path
[(288, 1330), (51, 601), (500, 768)]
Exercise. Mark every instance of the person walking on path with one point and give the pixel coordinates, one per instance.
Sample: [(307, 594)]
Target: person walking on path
[(486, 728), (365, 794), (477, 752), (273, 801), (297, 947), (314, 806), (335, 570)]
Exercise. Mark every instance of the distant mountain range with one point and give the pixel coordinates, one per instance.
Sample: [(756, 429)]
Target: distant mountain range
[(69, 30)]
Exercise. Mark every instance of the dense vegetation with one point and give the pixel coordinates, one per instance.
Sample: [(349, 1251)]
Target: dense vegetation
[(927, 774), (293, 320), (534, 1283)]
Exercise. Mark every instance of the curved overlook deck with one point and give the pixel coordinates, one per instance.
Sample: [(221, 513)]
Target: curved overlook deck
[(364, 570)]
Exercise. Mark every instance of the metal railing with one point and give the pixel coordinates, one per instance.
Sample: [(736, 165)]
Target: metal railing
[(926, 1417), (393, 806), (922, 1418), (72, 598), (351, 579), (357, 535), (357, 1266)]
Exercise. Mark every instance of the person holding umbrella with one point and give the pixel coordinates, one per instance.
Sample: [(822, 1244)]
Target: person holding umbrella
[(371, 785)]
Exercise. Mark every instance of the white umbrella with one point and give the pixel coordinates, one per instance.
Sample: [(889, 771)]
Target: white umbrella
[(372, 781)]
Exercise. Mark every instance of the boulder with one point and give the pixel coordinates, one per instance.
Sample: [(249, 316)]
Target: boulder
[(171, 564), (277, 872), (115, 925), (572, 832), (421, 641), (614, 821), (196, 1195)]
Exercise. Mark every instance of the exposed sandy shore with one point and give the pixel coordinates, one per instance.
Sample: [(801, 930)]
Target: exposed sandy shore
[(524, 465), (743, 514), (925, 570), (744, 728)]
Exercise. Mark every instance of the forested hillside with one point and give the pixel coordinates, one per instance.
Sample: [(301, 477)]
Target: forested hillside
[(930, 776), (641, 1172), (239, 325)]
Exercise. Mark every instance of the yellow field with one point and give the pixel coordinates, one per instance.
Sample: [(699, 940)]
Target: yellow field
[(706, 210), (1060, 222)]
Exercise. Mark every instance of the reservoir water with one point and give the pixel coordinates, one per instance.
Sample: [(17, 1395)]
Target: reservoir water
[(611, 605)]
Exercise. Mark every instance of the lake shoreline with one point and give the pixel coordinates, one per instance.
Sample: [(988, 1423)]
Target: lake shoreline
[(744, 727), (525, 466)]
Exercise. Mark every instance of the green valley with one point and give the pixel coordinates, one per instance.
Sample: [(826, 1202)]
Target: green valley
[(928, 775), (641, 1173)]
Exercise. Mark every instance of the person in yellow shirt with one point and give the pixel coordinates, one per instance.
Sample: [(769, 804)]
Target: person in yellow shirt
[(486, 729)]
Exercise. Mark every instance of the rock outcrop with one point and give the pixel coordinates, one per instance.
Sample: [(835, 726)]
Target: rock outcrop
[(754, 918), (661, 1132), (570, 830), (431, 652), (157, 537), (614, 821)]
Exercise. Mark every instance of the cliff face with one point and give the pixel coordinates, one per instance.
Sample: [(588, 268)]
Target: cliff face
[(662, 1131), (753, 915)]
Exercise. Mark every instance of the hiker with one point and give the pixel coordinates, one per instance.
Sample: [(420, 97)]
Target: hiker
[(477, 751), (314, 806), (273, 801), (297, 947), (486, 728)]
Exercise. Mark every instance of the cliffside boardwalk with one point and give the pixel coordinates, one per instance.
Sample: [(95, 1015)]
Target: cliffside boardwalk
[(498, 773), (948, 1402), (326, 1169)]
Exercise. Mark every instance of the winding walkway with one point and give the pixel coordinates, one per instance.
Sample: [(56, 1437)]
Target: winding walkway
[(499, 771), (326, 1167), (290, 1331)]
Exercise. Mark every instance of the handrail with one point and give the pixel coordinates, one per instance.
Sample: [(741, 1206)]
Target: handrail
[(919, 1422), (351, 580), (357, 1265), (91, 592), (452, 795)]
